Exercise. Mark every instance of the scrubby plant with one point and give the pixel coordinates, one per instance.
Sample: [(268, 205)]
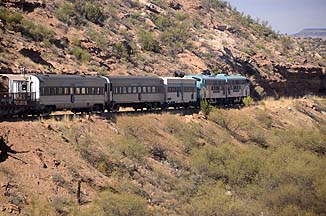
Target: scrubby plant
[(133, 149), (176, 38), (37, 32), (148, 42), (92, 12), (98, 38), (123, 51), (108, 203), (81, 54), (215, 4), (10, 19), (205, 107), (74, 13), (67, 14), (248, 101)]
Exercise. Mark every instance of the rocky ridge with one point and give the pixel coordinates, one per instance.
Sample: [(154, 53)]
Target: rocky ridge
[(155, 38)]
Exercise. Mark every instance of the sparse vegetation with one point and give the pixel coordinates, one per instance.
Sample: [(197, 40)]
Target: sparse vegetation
[(248, 101), (236, 162), (205, 107), (81, 54), (74, 13), (37, 32), (108, 203), (148, 42)]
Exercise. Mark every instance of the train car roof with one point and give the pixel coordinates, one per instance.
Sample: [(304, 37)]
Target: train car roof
[(206, 77), (134, 80), (236, 77), (219, 76), (21, 77), (133, 77), (57, 77)]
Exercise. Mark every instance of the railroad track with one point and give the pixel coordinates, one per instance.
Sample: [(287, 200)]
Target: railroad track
[(61, 116), (67, 115)]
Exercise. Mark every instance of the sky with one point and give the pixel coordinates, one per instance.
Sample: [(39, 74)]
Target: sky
[(285, 16)]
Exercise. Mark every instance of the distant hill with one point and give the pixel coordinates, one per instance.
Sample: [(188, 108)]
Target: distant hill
[(312, 32)]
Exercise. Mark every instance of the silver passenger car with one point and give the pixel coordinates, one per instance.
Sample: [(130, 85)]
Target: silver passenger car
[(72, 92), (180, 92), (137, 92)]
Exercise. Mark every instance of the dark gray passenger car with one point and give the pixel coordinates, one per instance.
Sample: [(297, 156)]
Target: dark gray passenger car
[(73, 92), (137, 92)]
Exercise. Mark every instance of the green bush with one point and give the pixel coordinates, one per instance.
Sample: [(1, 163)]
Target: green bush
[(133, 149), (215, 4), (81, 54), (37, 32), (93, 12), (205, 107), (292, 177), (11, 19), (176, 38), (98, 38), (148, 42), (67, 14), (264, 118), (210, 161), (248, 101), (162, 22), (214, 200), (74, 13), (108, 203)]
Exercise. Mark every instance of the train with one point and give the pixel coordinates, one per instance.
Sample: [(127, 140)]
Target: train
[(25, 94)]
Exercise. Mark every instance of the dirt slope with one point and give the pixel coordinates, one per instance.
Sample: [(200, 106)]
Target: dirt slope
[(163, 164)]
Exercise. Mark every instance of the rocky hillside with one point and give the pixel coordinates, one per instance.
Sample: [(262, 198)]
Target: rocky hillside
[(260, 160), (158, 37)]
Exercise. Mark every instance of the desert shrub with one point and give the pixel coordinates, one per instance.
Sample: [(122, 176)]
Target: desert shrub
[(133, 3), (162, 22), (307, 139), (58, 180), (246, 168), (39, 207), (187, 133), (37, 32), (74, 13), (210, 161), (293, 177), (98, 38), (248, 101), (11, 19), (249, 51), (108, 203), (67, 14), (215, 4), (261, 91), (81, 54), (62, 205), (133, 149), (286, 42), (160, 3), (213, 200), (92, 12), (205, 107), (176, 38), (264, 118), (124, 50), (148, 42)]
